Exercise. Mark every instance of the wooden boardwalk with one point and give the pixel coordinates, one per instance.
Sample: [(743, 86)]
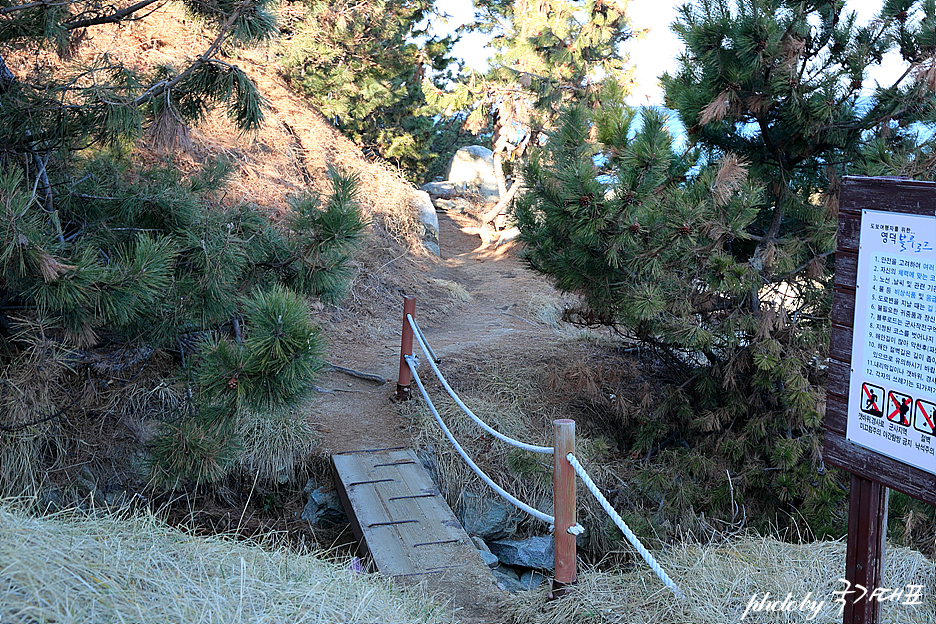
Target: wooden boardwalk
[(399, 515)]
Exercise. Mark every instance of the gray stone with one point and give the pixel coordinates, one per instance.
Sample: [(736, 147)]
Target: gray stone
[(486, 518), (490, 559), (480, 544), (459, 205), (444, 190), (323, 507), (472, 168), (507, 579), (50, 500), (534, 552), (426, 213), (531, 579)]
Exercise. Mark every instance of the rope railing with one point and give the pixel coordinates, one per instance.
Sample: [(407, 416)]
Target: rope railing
[(546, 450), (421, 338), (539, 515), (633, 539), (565, 465)]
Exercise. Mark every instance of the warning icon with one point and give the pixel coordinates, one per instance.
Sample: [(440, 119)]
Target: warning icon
[(898, 408), (924, 417), (872, 399)]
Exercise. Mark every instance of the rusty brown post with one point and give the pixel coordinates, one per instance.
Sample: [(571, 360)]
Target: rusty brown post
[(405, 379), (563, 507), (864, 555)]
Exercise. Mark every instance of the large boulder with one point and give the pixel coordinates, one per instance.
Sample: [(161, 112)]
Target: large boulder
[(472, 168), (428, 219)]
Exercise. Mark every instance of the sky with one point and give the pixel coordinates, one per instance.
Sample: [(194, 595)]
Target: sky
[(652, 56)]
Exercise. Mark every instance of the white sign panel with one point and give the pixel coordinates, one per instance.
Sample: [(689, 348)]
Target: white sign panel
[(892, 391)]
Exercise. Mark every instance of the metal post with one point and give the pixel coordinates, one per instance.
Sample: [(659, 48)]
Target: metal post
[(864, 555), (563, 507), (405, 379)]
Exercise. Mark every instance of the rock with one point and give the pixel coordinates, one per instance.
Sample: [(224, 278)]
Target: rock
[(507, 579), (433, 248), (534, 552), (480, 544), (490, 559), (487, 518), (472, 168), (51, 500), (429, 220), (458, 204), (444, 190), (531, 579), (323, 507), (508, 235)]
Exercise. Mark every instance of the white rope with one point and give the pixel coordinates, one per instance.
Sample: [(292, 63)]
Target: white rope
[(539, 515), (580, 471), (546, 450), (421, 338)]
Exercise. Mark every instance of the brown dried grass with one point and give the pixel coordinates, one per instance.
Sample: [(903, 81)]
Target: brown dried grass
[(720, 579)]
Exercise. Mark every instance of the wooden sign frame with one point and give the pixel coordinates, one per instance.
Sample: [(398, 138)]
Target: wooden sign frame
[(889, 195), (872, 471)]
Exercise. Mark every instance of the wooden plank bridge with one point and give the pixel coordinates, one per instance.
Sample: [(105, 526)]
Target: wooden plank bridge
[(399, 516)]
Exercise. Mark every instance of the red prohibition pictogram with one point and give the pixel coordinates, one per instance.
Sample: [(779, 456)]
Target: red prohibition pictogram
[(872, 398), (899, 405), (924, 417)]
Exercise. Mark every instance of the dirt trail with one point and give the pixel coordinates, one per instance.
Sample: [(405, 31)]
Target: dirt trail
[(356, 414)]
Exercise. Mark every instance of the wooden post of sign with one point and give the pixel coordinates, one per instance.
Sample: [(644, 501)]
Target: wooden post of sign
[(405, 379), (864, 558), (563, 506)]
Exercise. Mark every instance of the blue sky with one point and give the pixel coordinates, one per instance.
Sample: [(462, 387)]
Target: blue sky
[(652, 56)]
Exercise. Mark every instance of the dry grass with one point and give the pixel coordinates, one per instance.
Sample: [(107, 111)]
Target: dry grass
[(720, 580), (510, 393), (79, 569), (455, 290)]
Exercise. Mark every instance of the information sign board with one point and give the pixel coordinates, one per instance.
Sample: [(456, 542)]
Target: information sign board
[(892, 389), (881, 399)]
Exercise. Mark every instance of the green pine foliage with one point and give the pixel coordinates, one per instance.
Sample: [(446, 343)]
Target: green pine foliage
[(719, 260), (151, 260), (647, 236), (102, 101), (364, 65), (545, 54)]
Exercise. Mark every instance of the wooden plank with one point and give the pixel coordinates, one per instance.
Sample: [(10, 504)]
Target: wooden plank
[(840, 343), (839, 376), (404, 523), (836, 415), (879, 468), (899, 195), (846, 270)]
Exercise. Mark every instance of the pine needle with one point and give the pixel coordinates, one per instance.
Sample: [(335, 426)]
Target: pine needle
[(717, 109), (731, 174), (51, 268)]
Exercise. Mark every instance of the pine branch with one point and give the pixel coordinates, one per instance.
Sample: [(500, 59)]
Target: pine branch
[(112, 18), (206, 57)]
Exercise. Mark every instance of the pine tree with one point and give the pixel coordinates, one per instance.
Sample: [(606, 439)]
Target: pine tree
[(720, 260), (546, 54), (103, 255), (363, 65)]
